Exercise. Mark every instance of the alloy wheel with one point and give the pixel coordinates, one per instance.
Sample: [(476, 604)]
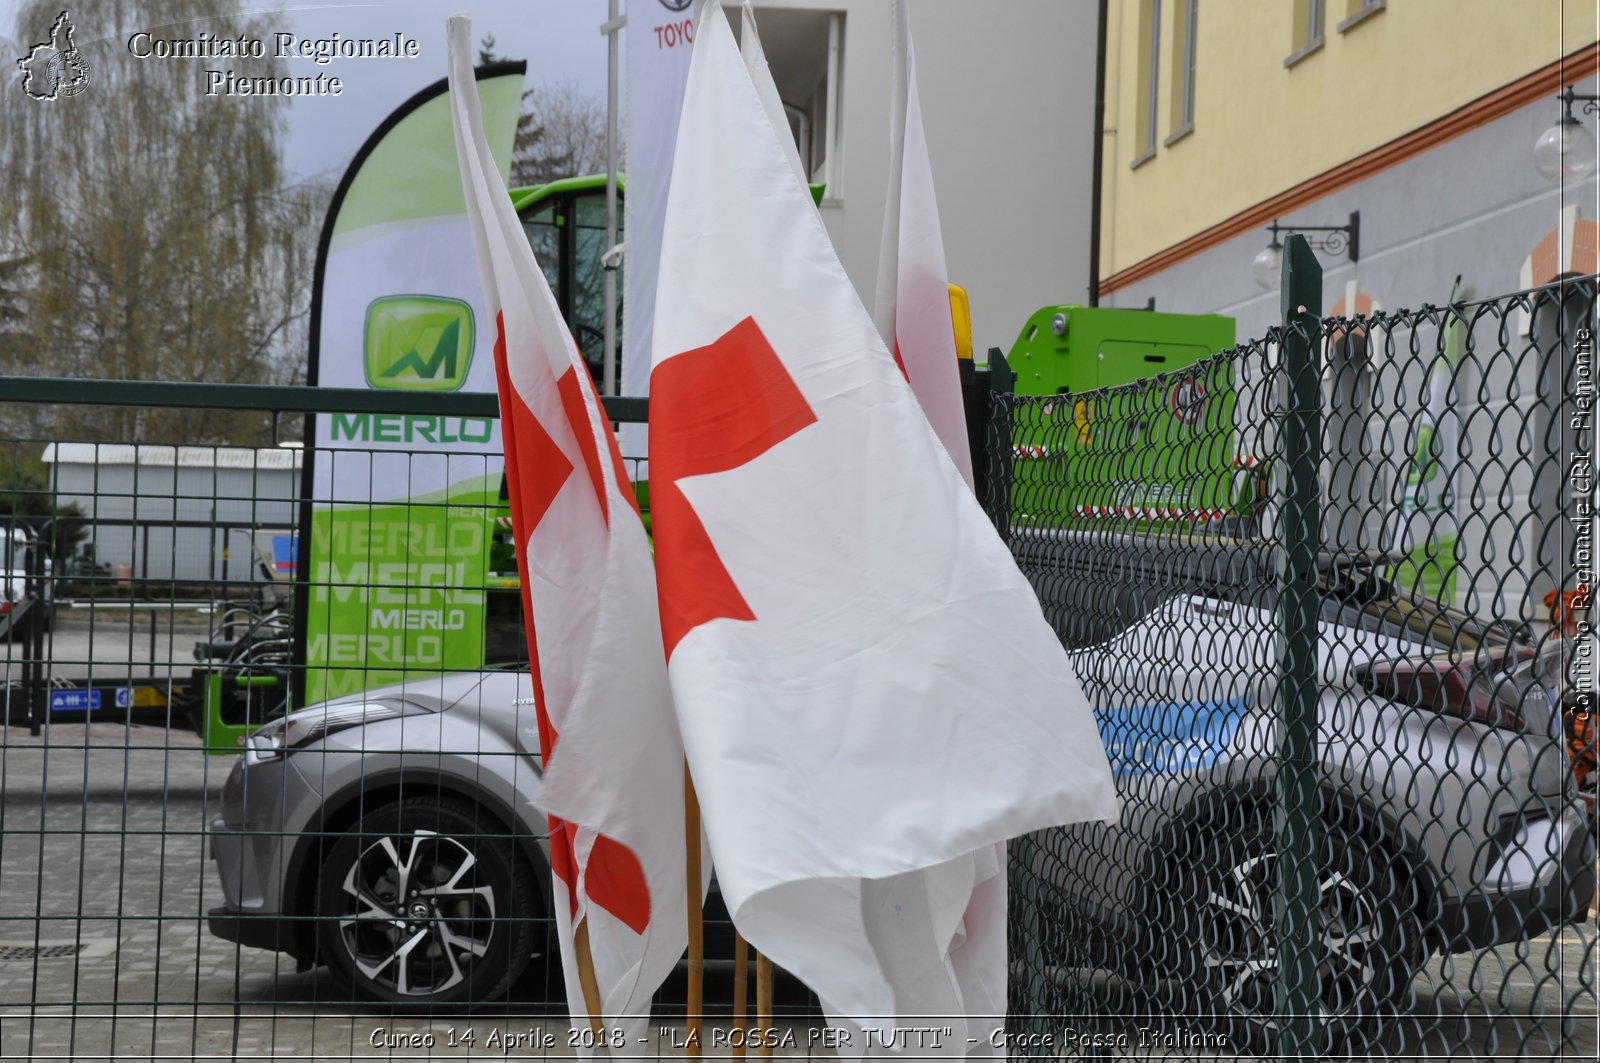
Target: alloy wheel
[(422, 915), (1242, 958)]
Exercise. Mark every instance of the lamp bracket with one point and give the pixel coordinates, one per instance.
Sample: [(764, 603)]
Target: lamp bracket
[(1333, 239), (1569, 98)]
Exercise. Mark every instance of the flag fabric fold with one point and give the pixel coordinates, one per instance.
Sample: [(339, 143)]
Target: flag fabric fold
[(612, 756), (755, 61), (865, 683), (913, 317), (913, 295)]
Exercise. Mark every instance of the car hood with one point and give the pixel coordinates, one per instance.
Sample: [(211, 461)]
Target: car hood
[(500, 701), (439, 691)]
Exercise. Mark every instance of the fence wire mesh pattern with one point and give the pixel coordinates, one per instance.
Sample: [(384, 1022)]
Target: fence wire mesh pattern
[(186, 872), (1328, 595)]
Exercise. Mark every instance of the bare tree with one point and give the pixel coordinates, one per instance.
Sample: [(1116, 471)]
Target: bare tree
[(562, 133), (150, 232)]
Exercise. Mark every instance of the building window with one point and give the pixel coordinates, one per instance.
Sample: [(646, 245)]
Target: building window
[(1149, 77), (1358, 11), (1307, 35), (1183, 53), (805, 52)]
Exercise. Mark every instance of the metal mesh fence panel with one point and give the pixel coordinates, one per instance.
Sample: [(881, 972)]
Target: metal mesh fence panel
[(186, 870), (1327, 593), (1385, 521)]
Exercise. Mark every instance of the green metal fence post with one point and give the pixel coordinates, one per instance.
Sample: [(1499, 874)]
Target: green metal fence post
[(994, 491), (1298, 828), (996, 495)]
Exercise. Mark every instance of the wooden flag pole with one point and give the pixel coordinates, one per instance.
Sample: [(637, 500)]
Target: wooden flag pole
[(764, 1003), (587, 980), (741, 986), (697, 940)]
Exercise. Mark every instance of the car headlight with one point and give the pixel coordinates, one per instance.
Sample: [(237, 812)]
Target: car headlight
[(299, 729)]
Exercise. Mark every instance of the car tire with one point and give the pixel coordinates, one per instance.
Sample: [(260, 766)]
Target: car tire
[(1368, 931), (425, 901)]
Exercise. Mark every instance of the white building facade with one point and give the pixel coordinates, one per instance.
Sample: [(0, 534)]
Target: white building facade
[(1008, 97)]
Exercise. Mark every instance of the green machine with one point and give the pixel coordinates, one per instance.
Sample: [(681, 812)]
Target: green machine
[(428, 583), (1066, 349), (1141, 423)]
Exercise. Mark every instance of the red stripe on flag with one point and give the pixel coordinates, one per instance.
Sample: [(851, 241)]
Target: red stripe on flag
[(713, 409), (614, 880), (536, 470), (620, 471), (542, 469), (570, 387), (527, 508), (563, 861)]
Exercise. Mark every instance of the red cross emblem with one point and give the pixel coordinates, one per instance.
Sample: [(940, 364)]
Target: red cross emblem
[(713, 409)]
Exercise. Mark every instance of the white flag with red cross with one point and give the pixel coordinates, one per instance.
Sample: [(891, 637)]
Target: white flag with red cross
[(612, 758), (865, 683)]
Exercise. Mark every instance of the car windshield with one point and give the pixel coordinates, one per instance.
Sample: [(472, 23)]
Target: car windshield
[(1361, 595), (1439, 623), (1522, 686)]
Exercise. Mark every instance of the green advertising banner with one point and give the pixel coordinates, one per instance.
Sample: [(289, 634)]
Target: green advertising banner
[(398, 551)]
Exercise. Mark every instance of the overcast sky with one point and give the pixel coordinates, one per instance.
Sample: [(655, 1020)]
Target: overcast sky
[(560, 39)]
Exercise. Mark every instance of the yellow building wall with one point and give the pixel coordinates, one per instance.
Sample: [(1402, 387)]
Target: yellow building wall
[(1261, 127)]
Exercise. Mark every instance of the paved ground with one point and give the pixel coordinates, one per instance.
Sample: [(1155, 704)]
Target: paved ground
[(102, 846), (103, 860)]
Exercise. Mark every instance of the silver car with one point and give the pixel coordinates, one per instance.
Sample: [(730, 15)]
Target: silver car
[(1450, 820), (394, 836)]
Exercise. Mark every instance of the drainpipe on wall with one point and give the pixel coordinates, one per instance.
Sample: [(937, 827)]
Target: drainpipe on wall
[(1099, 138)]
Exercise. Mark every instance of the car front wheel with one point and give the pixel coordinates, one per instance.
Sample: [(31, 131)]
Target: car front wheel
[(1368, 939), (424, 901)]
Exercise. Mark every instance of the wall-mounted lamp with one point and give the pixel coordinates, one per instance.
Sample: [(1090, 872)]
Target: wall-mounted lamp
[(1268, 265), (1566, 149)]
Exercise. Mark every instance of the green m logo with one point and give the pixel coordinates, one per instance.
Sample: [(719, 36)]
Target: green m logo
[(418, 343)]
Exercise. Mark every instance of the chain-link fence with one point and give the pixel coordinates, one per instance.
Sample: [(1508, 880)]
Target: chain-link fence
[(1328, 595)]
